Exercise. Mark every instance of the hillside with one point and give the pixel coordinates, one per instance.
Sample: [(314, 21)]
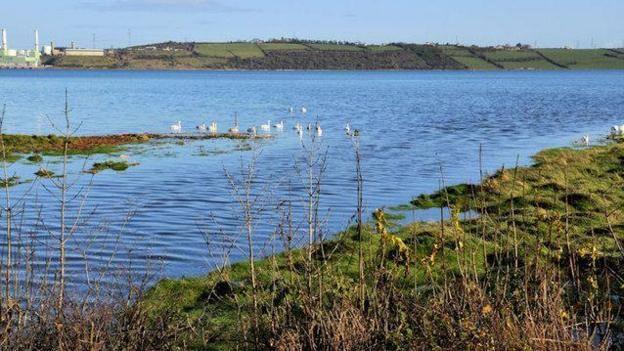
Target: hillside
[(304, 55)]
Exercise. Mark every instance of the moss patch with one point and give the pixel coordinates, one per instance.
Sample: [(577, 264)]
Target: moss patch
[(118, 166)]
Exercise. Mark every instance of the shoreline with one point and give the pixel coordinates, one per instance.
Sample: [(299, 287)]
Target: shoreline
[(538, 192)]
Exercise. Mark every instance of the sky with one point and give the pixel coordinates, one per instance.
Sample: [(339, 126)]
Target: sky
[(118, 23)]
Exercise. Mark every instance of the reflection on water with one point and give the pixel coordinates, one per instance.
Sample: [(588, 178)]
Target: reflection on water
[(415, 127)]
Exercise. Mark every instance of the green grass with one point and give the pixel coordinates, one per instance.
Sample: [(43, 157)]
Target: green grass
[(229, 50), (539, 64), (114, 165), (44, 173), (35, 158), (382, 48), (510, 55), (473, 62), (283, 47), (571, 188), (584, 58), (519, 59), (213, 50), (466, 58)]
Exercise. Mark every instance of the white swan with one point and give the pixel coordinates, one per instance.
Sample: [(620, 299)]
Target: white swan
[(235, 128), (266, 127), (347, 128), (202, 128), (298, 126), (319, 131), (304, 110), (176, 127), (291, 110), (279, 126), (309, 127), (212, 128)]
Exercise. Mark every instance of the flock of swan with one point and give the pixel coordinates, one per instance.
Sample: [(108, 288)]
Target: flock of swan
[(267, 127)]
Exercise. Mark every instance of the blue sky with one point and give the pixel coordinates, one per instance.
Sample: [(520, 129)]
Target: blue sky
[(549, 23)]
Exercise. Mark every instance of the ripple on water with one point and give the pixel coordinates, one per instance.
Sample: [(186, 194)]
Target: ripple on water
[(414, 126)]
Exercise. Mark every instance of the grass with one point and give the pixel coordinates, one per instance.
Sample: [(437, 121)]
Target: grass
[(44, 173), (84, 62), (466, 58), (11, 181), (115, 165), (282, 47), (566, 207), (584, 58), (35, 158), (78, 145), (382, 48), (229, 50)]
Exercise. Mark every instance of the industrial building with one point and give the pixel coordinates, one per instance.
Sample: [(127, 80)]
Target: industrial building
[(73, 50), (12, 58)]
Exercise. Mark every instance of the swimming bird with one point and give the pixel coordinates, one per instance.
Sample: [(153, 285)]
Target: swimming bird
[(266, 127), (356, 132), (304, 110), (291, 110), (234, 129), (298, 126), (347, 128), (279, 126), (213, 127), (319, 131), (176, 127), (202, 128), (309, 127)]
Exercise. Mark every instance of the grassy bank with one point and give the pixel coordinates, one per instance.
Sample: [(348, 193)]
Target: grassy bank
[(54, 145), (538, 269), (302, 55)]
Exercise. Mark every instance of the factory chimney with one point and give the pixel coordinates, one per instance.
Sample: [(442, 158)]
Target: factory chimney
[(4, 41), (36, 40)]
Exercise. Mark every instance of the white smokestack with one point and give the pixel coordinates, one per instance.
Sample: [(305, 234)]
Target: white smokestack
[(4, 41), (36, 40)]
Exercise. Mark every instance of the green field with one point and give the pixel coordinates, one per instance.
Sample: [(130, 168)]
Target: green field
[(382, 48), (510, 55), (282, 47), (519, 59), (584, 58), (467, 59)]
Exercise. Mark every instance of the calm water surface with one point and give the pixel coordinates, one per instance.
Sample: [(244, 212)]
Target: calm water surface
[(412, 123)]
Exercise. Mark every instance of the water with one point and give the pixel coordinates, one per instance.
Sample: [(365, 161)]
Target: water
[(413, 124)]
